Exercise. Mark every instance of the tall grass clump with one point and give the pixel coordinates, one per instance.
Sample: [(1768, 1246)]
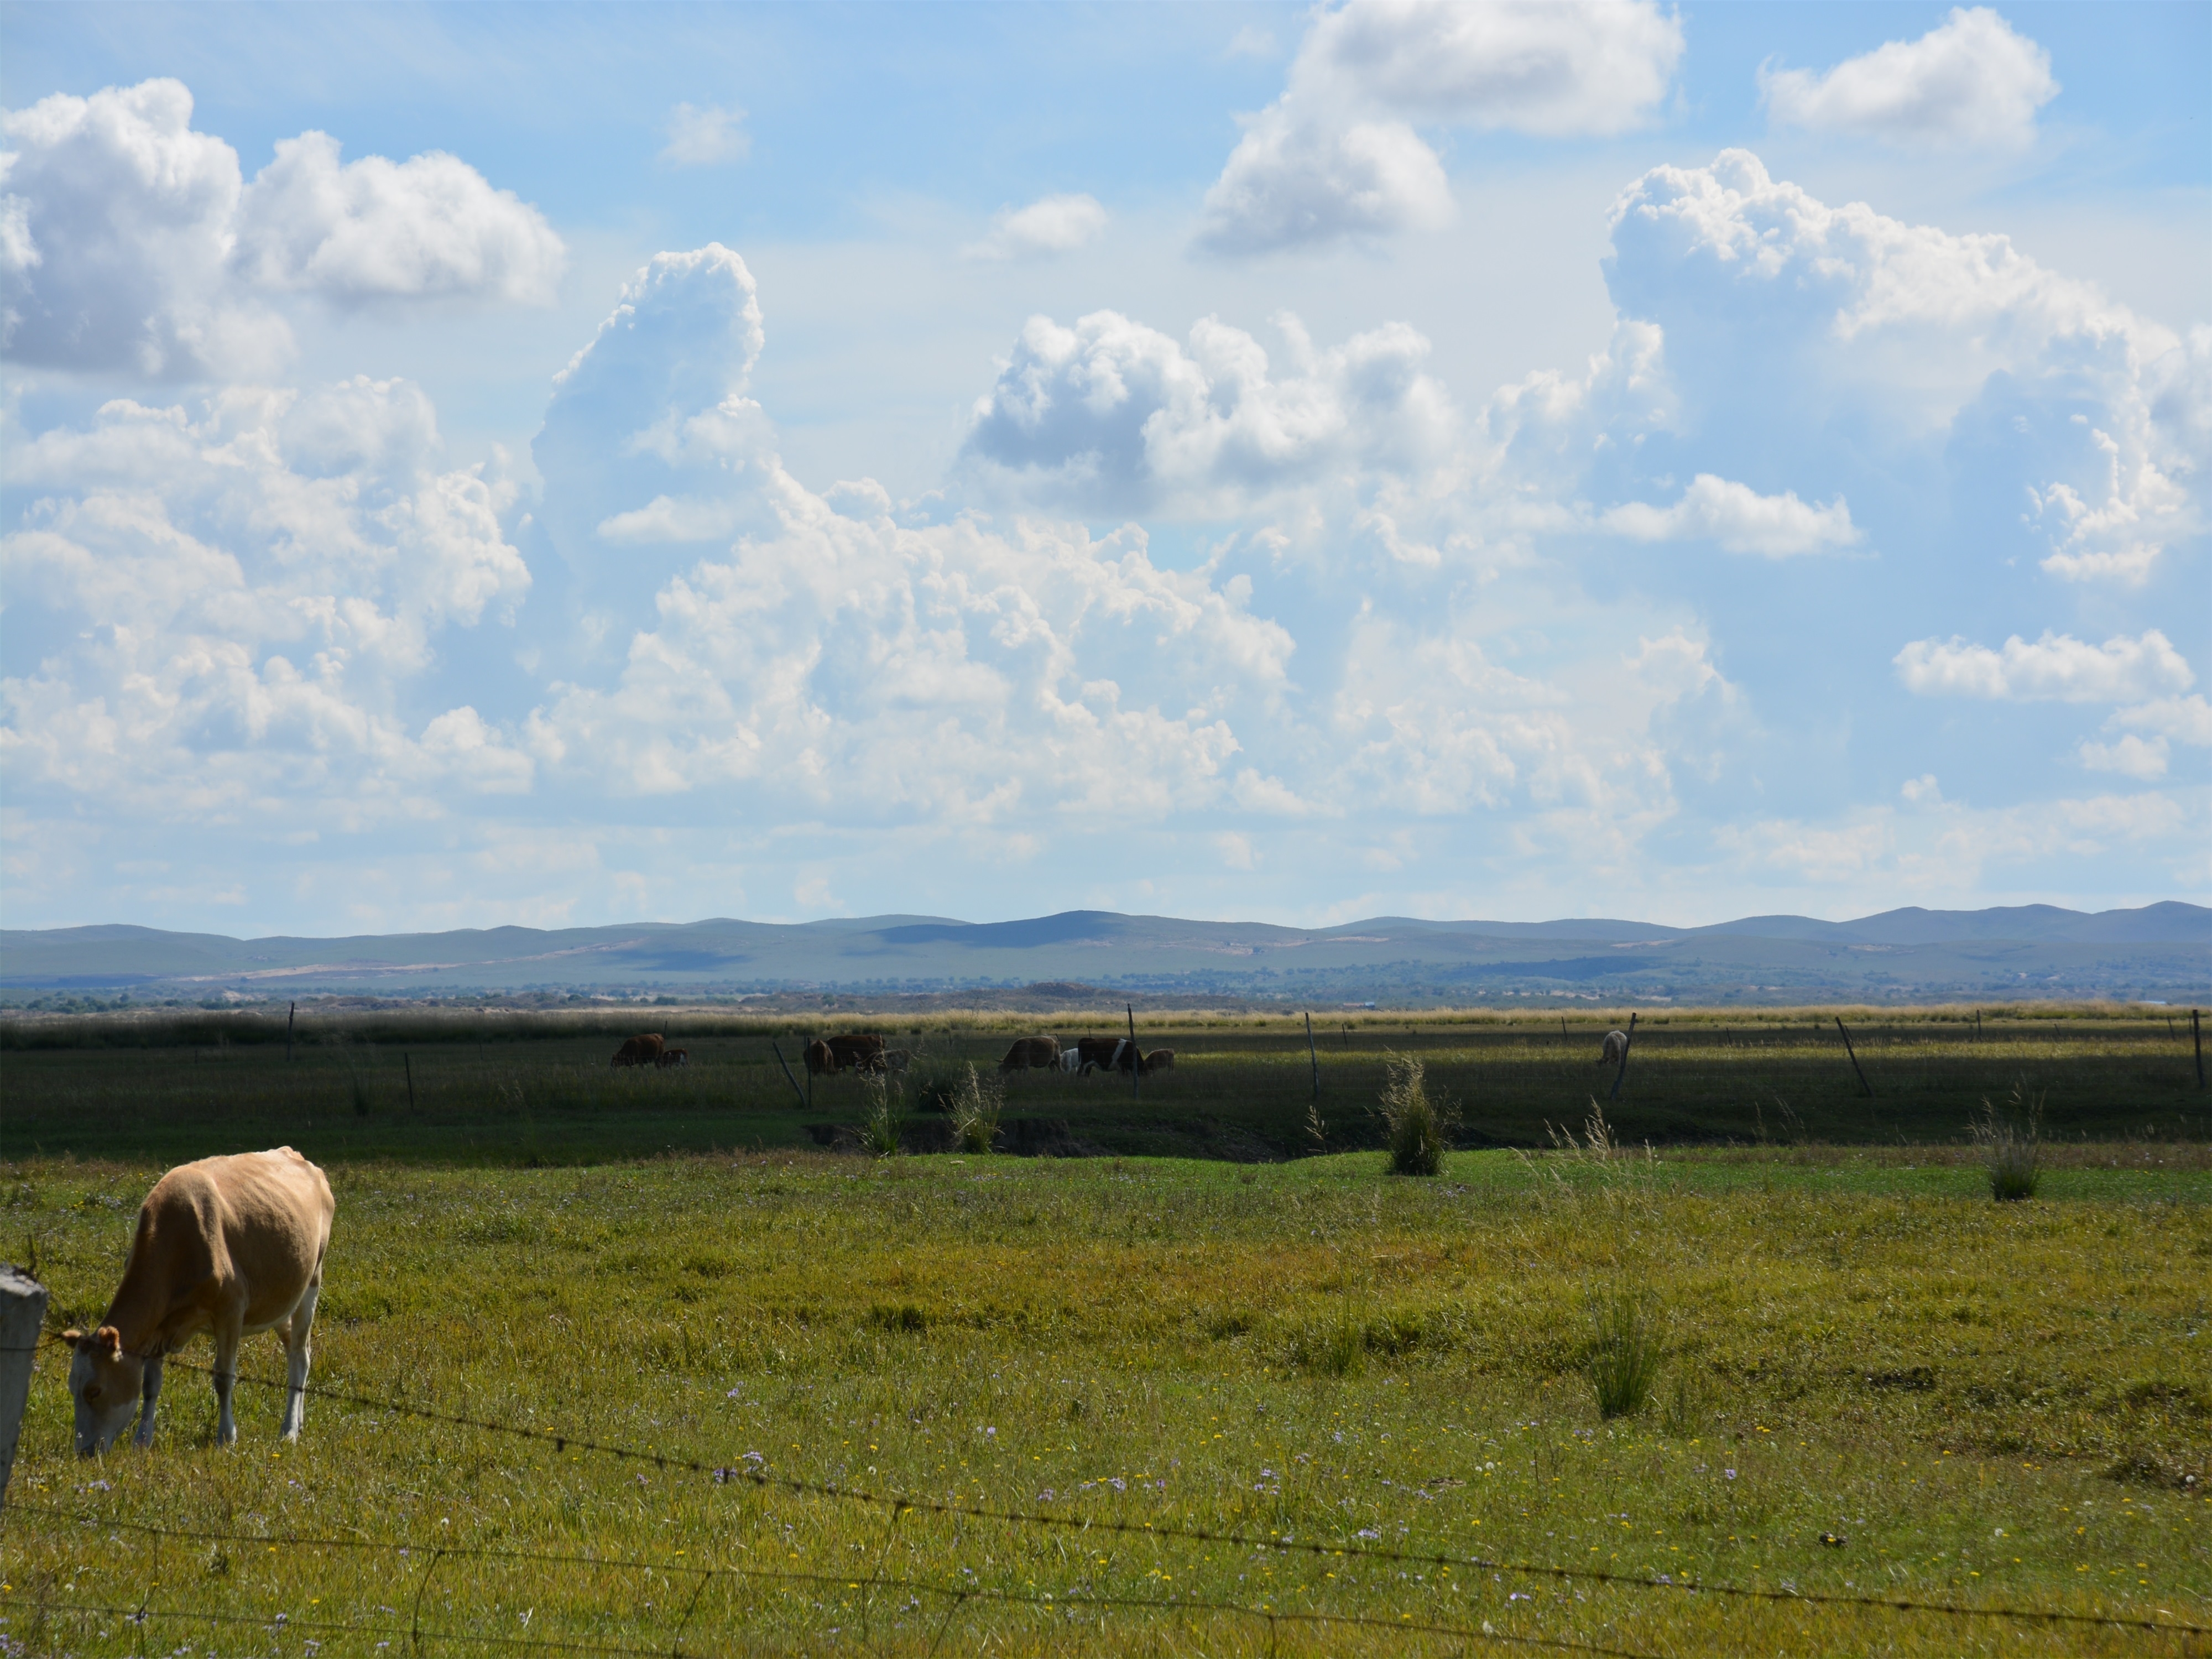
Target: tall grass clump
[(975, 1108), (2011, 1145), (879, 1128), (1419, 1123), (1626, 1348)]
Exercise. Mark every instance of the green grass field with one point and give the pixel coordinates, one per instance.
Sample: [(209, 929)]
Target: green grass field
[(1986, 1406)]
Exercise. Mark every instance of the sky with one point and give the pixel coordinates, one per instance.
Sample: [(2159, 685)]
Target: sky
[(474, 465)]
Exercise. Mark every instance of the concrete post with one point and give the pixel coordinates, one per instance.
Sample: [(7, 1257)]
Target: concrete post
[(22, 1316)]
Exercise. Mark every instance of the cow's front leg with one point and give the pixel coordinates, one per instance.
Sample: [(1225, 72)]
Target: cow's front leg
[(149, 1393), (227, 1337), (296, 1358)]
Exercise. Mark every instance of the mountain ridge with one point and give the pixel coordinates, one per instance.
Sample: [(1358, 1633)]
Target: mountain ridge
[(2040, 950)]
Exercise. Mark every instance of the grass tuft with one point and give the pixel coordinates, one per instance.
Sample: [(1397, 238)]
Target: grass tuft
[(1419, 1124), (879, 1129), (2011, 1145), (1625, 1352), (976, 1112)]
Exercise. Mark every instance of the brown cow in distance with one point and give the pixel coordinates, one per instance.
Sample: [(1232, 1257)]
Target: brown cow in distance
[(1031, 1053), (639, 1050), (859, 1051), (1160, 1059)]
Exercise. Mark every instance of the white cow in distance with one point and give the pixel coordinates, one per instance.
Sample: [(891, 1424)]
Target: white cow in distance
[(227, 1245), (1616, 1046)]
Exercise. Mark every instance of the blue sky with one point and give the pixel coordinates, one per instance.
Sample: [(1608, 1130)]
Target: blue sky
[(565, 465)]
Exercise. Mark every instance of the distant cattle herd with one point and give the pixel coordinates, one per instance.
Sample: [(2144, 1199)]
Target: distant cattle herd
[(866, 1053)]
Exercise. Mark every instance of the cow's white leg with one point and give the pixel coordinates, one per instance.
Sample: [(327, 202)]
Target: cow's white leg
[(149, 1392), (296, 1358), (228, 1334)]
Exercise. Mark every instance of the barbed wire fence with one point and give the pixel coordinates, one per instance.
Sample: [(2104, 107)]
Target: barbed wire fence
[(960, 1595)]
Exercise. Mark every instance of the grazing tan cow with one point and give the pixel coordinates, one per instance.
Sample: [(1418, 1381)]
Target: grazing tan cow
[(227, 1245), (673, 1057), (1037, 1053), (1616, 1045), (639, 1050), (859, 1050), (1160, 1059)]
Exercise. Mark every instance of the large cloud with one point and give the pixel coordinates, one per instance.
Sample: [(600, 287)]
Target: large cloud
[(128, 241), (209, 609), (1337, 156), (1972, 82), (1791, 333)]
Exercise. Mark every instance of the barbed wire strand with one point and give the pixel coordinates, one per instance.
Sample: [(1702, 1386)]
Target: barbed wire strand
[(562, 1442), (960, 1593)]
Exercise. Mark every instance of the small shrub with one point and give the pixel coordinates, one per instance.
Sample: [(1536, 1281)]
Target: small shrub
[(1420, 1125), (1625, 1353), (2012, 1148), (976, 1112)]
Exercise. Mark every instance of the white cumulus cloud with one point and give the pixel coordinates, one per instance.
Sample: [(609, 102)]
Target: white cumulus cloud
[(1973, 82), (1740, 519), (245, 599), (1048, 225), (2056, 668), (129, 242), (1338, 155), (703, 135), (1113, 413), (377, 229)]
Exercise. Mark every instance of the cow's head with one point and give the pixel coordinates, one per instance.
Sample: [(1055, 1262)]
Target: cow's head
[(104, 1382)]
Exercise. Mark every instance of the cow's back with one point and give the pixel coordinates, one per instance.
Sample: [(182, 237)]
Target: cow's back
[(255, 1223)]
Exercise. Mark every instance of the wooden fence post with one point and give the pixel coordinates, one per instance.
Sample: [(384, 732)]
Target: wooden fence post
[(1136, 1057), (1314, 1058), (1853, 1052), (2196, 1035), (288, 1018), (409, 1065), (1628, 1037)]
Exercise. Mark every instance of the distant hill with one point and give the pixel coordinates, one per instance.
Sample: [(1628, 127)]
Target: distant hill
[(2160, 952)]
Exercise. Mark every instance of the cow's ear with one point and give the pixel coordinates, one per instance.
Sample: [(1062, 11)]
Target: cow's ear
[(110, 1340)]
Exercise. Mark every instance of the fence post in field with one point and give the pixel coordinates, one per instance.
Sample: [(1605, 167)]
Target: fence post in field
[(806, 1095), (22, 1312), (410, 1064), (1853, 1052), (1313, 1056), (1136, 1059), (1630, 1034), (288, 1018), (2196, 1035)]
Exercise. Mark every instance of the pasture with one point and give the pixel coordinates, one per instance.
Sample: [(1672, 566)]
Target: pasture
[(1368, 1394)]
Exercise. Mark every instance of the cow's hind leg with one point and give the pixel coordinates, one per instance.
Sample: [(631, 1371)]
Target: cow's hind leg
[(297, 1357), (149, 1393)]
